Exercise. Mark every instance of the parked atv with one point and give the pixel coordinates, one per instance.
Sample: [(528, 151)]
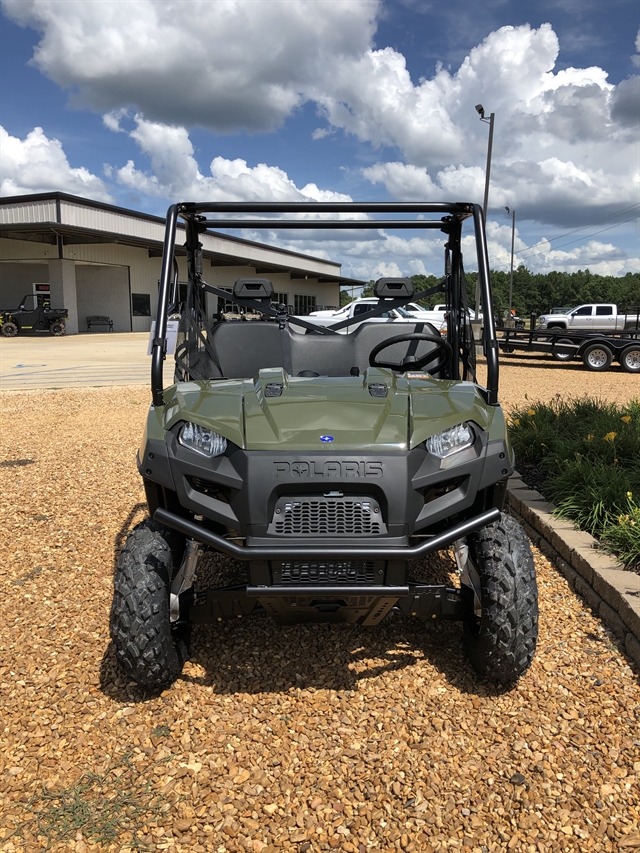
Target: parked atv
[(29, 316), (324, 462)]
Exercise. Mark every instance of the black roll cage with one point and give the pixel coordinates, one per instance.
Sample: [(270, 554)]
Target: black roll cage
[(452, 215)]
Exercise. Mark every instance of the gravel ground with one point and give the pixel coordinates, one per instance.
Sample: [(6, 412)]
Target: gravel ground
[(297, 739)]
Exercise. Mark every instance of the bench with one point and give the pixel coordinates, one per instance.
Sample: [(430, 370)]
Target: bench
[(99, 320), (243, 349)]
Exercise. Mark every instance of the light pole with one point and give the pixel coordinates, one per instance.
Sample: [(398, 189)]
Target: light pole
[(513, 237), (485, 206)]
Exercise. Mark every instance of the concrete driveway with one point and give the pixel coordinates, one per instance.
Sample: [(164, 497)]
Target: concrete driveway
[(75, 361)]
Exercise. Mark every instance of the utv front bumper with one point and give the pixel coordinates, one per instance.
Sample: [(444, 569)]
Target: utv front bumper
[(325, 536)]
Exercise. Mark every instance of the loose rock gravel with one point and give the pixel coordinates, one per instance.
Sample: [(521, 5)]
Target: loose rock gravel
[(300, 739)]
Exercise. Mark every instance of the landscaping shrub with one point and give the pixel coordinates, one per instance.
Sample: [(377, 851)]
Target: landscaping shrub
[(584, 455)]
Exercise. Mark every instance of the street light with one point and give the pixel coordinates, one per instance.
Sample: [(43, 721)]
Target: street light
[(513, 237), (485, 206), (489, 121)]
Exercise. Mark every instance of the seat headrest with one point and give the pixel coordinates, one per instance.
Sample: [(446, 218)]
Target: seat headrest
[(393, 287), (253, 288)]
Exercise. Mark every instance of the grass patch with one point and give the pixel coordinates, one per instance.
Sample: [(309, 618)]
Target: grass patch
[(116, 805), (587, 454)]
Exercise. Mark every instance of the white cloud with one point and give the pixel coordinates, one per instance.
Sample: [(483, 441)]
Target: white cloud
[(225, 65), (38, 164), (175, 172), (551, 190), (636, 57), (565, 141)]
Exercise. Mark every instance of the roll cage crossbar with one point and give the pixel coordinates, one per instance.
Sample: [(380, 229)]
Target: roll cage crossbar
[(451, 217)]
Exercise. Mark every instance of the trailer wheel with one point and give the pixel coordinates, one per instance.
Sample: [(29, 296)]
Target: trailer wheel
[(597, 357), (148, 649), (9, 330), (58, 328), (561, 352), (630, 358), (502, 641)]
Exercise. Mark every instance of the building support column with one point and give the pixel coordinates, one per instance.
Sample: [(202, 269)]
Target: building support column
[(62, 281)]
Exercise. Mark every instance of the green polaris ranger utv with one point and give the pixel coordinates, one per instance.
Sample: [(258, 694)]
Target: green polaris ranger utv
[(324, 459)]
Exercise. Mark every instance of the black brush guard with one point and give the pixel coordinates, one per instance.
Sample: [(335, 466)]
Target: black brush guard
[(365, 604)]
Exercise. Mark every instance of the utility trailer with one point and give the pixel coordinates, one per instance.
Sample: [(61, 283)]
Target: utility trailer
[(596, 349)]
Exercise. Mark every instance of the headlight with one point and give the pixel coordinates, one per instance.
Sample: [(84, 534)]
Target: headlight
[(450, 441), (202, 440)]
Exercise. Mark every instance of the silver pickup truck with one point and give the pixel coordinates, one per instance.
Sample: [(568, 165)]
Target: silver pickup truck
[(601, 317)]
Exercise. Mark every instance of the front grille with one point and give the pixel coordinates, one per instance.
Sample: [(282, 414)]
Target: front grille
[(301, 572), (327, 516)]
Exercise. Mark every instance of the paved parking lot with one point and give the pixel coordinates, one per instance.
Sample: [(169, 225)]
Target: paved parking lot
[(74, 361)]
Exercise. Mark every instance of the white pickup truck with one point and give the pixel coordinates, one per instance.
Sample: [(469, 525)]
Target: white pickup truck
[(441, 308), (600, 317), (409, 312)]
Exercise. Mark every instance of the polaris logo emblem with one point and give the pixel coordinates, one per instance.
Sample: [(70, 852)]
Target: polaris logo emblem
[(328, 469)]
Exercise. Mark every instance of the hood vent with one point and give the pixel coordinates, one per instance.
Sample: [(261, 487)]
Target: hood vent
[(378, 389)]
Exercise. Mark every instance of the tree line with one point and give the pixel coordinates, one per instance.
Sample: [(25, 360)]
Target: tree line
[(538, 293)]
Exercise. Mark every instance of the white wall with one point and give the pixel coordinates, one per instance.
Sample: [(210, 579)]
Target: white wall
[(103, 290)]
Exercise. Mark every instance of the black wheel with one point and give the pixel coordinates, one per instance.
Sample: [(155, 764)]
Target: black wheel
[(630, 358), (9, 330), (501, 642), (147, 648), (412, 362), (597, 357), (58, 328), (564, 349)]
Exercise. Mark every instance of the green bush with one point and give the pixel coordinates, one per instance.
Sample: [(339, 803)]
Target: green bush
[(588, 453)]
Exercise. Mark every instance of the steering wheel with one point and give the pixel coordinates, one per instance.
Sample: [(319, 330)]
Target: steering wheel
[(412, 362)]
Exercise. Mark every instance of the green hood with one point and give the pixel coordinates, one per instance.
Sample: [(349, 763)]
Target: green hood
[(341, 407)]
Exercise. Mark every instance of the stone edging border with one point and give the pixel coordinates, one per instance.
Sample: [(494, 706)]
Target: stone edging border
[(611, 592)]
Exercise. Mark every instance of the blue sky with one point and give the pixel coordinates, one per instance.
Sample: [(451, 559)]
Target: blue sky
[(142, 103)]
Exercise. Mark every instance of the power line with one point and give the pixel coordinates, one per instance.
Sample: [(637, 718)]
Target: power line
[(583, 227), (578, 239), (574, 231)]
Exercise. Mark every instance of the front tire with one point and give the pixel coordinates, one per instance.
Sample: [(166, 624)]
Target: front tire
[(9, 330), (147, 648), (501, 643)]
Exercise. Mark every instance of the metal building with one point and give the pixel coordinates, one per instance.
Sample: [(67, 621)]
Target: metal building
[(97, 259)]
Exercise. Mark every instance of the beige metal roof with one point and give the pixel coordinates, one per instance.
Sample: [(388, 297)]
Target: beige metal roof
[(50, 216)]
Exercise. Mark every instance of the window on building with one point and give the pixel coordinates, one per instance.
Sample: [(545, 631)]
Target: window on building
[(303, 303), (141, 304), (281, 298), (226, 306)]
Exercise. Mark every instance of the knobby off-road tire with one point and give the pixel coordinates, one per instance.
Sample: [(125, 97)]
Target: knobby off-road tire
[(9, 330), (501, 644), (147, 648), (58, 328)]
